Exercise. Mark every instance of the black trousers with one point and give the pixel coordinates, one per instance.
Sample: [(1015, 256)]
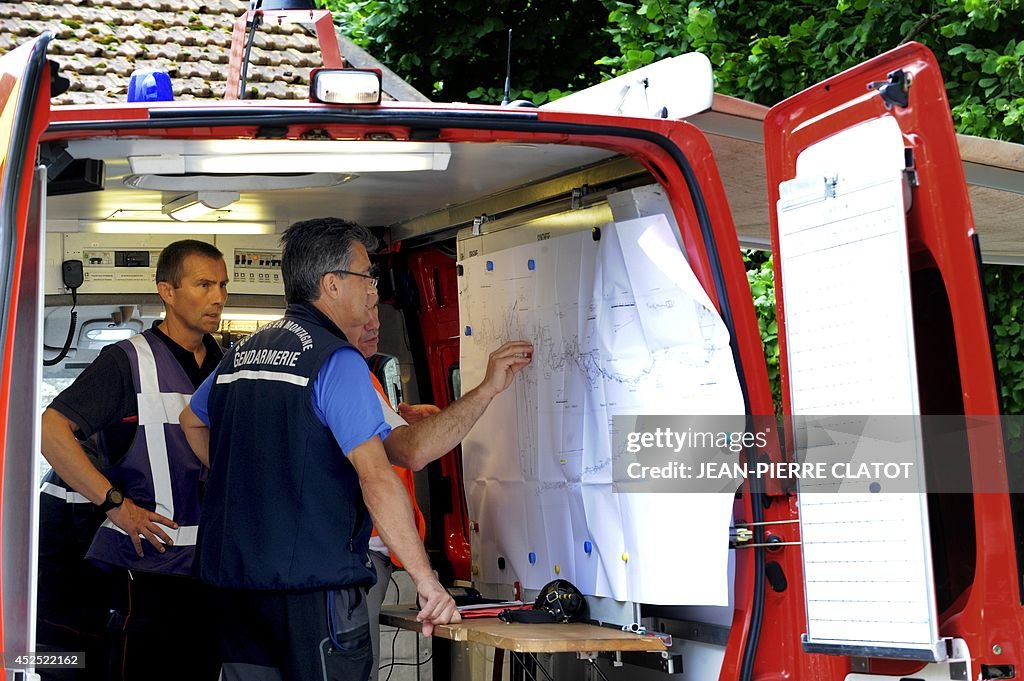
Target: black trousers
[(315, 636), (163, 628)]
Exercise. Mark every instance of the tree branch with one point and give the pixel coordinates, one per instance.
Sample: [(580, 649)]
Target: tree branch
[(920, 26)]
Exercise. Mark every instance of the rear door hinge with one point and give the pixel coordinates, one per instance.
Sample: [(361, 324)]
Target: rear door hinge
[(895, 90)]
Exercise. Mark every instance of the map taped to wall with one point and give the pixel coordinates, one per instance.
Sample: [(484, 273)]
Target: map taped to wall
[(619, 326)]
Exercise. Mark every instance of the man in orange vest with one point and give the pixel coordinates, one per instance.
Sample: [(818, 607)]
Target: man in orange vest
[(422, 433)]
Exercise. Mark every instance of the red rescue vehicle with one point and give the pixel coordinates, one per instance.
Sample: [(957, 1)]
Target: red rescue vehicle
[(98, 183)]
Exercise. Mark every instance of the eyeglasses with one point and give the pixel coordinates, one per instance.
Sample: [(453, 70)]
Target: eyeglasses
[(372, 277)]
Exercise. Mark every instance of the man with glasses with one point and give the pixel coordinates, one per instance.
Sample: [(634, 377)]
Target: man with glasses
[(421, 433), (292, 428)]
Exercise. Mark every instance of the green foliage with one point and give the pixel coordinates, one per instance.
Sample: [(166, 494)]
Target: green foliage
[(1004, 285), (765, 51), (456, 50), (762, 288), (762, 50)]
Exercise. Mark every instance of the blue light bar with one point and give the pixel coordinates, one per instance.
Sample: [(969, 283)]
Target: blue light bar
[(150, 85)]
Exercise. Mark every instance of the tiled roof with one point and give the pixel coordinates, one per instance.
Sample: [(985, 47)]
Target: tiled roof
[(100, 42)]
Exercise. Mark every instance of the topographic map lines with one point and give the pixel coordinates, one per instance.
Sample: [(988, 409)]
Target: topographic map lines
[(615, 331)]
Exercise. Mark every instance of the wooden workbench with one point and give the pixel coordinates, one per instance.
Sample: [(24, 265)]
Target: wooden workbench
[(528, 638)]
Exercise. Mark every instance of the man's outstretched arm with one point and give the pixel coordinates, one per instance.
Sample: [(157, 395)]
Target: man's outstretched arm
[(389, 506), (430, 438)]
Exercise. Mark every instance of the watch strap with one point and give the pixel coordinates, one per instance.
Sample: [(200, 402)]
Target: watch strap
[(110, 504)]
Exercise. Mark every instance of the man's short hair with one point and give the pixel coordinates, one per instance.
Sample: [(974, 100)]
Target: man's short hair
[(170, 265), (312, 248)]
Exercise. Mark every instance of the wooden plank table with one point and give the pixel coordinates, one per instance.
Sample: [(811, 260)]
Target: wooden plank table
[(528, 638)]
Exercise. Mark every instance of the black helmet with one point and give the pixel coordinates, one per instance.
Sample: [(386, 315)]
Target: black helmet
[(563, 600)]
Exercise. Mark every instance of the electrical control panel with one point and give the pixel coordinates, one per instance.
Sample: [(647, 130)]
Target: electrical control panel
[(119, 263), (254, 263)]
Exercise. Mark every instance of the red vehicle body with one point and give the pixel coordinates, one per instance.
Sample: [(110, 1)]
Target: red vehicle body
[(981, 604)]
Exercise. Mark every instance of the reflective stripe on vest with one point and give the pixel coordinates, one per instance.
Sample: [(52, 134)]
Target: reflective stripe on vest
[(63, 494), (159, 470), (250, 375), (155, 409), (183, 536)]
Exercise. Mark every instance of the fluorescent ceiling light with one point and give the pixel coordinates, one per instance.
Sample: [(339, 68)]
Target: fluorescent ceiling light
[(114, 149), (171, 227), (110, 335), (289, 163), (237, 182), (256, 314), (251, 316), (178, 157), (132, 215), (197, 204)]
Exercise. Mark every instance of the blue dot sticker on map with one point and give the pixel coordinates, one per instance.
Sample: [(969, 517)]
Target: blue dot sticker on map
[(490, 265), (469, 330), (531, 264)]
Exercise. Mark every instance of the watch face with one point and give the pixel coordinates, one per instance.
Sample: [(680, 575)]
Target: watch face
[(115, 497)]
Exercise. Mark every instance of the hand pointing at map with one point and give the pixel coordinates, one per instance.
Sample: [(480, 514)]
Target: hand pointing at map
[(432, 433), (503, 364)]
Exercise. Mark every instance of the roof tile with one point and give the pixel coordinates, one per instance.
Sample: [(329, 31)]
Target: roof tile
[(100, 42), (131, 50)]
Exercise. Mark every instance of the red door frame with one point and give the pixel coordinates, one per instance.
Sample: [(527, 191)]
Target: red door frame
[(941, 233), (25, 105)]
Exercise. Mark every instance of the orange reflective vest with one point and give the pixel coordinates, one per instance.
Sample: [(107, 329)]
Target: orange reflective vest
[(407, 478)]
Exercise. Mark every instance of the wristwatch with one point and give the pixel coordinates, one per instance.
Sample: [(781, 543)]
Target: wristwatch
[(114, 499)]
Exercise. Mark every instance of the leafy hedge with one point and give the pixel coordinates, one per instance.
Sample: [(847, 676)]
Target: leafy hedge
[(456, 50), (762, 50), (1004, 288), (762, 288), (765, 51)]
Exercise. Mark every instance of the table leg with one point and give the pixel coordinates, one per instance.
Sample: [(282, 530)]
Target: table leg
[(499, 662)]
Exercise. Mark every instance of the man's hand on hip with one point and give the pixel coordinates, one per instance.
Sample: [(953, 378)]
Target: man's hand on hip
[(137, 522)]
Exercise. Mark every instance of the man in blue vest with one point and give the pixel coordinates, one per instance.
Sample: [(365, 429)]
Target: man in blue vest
[(73, 606), (421, 433), (150, 489), (291, 428)]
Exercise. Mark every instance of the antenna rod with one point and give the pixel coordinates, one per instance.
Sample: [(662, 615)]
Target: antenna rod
[(508, 71)]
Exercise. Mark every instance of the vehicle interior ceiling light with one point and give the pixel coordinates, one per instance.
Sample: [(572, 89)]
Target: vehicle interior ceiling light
[(135, 215), (237, 182), (198, 204), (175, 227), (110, 335), (252, 315), (258, 156)]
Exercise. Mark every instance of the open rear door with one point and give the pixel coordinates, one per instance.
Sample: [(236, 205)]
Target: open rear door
[(24, 110), (882, 314)]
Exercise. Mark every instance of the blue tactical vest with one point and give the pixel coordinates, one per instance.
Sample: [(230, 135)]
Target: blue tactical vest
[(283, 508), (159, 472)]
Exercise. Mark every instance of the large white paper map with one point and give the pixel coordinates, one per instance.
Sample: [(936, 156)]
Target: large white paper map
[(619, 326)]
